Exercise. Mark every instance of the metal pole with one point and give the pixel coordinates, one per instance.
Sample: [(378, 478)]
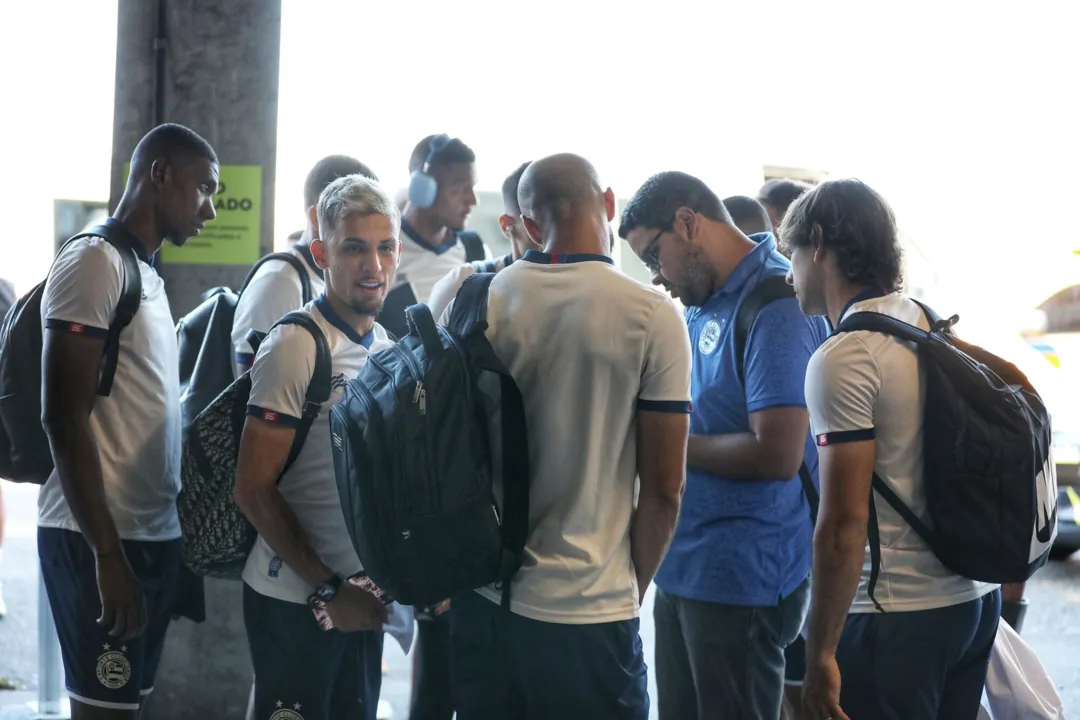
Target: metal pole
[(51, 701)]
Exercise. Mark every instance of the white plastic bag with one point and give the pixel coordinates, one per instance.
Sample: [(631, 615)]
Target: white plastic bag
[(1017, 686)]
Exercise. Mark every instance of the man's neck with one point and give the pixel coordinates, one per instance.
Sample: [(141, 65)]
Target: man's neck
[(140, 224), (726, 252), (432, 231), (584, 235), (838, 297), (361, 323)]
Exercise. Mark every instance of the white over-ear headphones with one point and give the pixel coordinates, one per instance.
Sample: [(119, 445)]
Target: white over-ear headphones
[(423, 188)]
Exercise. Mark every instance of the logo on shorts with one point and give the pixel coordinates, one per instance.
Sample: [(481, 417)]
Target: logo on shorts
[(77, 328), (710, 336), (113, 669), (269, 416), (822, 440), (287, 713), (275, 567)]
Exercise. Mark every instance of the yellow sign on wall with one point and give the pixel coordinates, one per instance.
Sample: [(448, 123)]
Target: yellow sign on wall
[(231, 238)]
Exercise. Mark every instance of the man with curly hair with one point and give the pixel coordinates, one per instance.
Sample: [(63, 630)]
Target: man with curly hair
[(917, 648)]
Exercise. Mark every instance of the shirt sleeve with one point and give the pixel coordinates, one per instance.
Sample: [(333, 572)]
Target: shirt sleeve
[(274, 291), (281, 374), (842, 385), (446, 289), (83, 289), (778, 349), (665, 376)]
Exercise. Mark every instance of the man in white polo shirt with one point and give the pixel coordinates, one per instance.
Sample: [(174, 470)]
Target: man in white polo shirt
[(917, 649), (108, 531), (512, 229), (276, 288), (300, 575), (603, 364), (433, 236)]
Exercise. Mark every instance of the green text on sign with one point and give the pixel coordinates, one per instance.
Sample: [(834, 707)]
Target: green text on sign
[(231, 238)]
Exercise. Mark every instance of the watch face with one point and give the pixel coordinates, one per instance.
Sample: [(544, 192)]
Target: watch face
[(326, 593)]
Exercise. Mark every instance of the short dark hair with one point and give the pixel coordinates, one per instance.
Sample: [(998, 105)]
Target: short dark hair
[(510, 190), (748, 214), (329, 169), (453, 152), (175, 143), (780, 193), (655, 203), (853, 221)]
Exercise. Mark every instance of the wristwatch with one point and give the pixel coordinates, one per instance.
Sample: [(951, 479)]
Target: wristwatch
[(326, 592)]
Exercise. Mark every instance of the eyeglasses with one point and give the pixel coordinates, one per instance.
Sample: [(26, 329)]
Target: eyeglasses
[(651, 254)]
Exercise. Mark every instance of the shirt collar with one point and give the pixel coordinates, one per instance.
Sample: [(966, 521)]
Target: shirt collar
[(451, 238), (542, 258), (867, 294), (749, 265), (334, 319), (305, 252), (130, 240)]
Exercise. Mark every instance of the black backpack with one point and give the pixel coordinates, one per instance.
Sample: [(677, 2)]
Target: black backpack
[(990, 480), (25, 455), (770, 289), (418, 438), (217, 535), (205, 339)]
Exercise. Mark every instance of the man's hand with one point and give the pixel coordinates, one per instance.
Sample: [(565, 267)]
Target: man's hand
[(123, 606), (354, 609), (821, 689)]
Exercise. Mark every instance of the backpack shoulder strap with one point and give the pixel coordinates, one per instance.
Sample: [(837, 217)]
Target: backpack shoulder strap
[(474, 246), (318, 391), (130, 298), (881, 323), (770, 289), (470, 305), (484, 266), (298, 265)]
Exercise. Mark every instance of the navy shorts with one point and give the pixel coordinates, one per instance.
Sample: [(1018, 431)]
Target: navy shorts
[(99, 669), (508, 666), (303, 672)]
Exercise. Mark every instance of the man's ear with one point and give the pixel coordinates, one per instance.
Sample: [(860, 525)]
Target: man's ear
[(816, 237), (506, 223), (159, 172), (609, 204), (318, 254), (313, 218), (533, 230)]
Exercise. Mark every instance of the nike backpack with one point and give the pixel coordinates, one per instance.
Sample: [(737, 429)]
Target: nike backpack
[(988, 472), (217, 535), (25, 455), (204, 336), (418, 440)]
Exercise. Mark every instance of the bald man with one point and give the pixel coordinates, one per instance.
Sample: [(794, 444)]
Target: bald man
[(603, 364)]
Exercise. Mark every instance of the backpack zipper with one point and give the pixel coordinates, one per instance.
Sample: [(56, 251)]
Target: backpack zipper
[(420, 400)]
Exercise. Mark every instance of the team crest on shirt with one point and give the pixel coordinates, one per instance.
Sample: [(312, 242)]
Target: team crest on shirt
[(113, 669), (710, 336), (285, 713)]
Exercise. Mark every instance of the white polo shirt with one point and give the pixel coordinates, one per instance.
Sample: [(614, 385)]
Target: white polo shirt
[(863, 385), (422, 265), (447, 288), (137, 427), (280, 377), (588, 347), (274, 291)]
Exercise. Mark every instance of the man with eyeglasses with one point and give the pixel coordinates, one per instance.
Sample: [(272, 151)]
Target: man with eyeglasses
[(733, 590)]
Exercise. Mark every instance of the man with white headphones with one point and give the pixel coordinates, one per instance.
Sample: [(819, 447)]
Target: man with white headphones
[(433, 236)]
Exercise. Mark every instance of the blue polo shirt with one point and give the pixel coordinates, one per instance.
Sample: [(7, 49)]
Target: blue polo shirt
[(744, 542)]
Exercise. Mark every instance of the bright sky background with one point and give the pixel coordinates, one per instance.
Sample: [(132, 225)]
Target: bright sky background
[(962, 113)]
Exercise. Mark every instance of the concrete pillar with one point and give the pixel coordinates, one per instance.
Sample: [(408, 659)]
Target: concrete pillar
[(220, 79)]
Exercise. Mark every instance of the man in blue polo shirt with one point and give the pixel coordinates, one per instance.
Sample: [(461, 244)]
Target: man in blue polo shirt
[(733, 590)]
